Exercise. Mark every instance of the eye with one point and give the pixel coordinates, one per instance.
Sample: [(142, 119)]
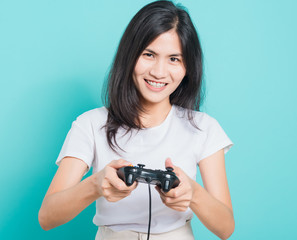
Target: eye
[(148, 55), (174, 59)]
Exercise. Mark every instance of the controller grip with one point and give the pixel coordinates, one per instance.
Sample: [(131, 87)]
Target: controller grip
[(168, 184), (129, 181), (121, 174), (128, 178)]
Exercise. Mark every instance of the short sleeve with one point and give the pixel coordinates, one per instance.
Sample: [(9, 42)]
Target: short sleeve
[(216, 138), (79, 142)]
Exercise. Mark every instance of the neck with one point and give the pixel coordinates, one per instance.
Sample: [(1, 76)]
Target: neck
[(154, 114)]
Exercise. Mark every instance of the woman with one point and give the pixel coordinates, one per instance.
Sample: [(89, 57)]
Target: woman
[(153, 91)]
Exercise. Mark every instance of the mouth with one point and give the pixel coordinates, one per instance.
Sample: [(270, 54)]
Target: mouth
[(155, 84)]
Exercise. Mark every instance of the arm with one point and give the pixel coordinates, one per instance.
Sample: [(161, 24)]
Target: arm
[(67, 195), (212, 204)]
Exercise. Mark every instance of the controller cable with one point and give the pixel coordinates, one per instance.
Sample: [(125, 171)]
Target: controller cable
[(150, 211)]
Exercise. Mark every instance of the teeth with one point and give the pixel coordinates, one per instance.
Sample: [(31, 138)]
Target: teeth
[(156, 85)]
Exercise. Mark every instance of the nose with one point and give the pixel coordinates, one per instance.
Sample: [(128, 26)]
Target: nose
[(159, 70)]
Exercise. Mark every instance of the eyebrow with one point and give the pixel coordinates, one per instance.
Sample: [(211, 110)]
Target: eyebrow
[(171, 55)]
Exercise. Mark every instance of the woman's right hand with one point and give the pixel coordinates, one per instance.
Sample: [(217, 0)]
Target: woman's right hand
[(67, 195), (110, 186)]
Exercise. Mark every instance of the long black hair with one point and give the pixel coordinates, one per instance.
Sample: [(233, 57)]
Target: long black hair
[(121, 96)]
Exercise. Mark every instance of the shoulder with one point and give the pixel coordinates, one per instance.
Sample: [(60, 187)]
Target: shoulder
[(204, 121), (94, 113), (94, 116), (201, 120)]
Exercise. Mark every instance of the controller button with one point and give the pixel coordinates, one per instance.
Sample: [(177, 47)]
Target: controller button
[(166, 186), (169, 169), (130, 178), (141, 165)]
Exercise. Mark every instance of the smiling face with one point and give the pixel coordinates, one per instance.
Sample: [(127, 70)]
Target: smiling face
[(159, 69)]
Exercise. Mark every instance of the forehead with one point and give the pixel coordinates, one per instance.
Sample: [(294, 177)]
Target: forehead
[(166, 43)]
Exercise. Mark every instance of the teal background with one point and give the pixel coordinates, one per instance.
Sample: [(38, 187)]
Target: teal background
[(54, 56)]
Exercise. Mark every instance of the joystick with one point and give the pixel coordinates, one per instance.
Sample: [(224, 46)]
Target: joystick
[(166, 180)]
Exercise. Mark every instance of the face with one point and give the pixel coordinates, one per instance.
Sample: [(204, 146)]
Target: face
[(159, 69)]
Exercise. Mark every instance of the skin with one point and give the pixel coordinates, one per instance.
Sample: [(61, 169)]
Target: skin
[(74, 195), (161, 62)]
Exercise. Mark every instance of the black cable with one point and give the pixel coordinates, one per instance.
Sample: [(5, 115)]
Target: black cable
[(150, 212)]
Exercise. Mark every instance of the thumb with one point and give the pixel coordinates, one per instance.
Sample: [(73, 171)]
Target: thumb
[(168, 163), (119, 163), (176, 170)]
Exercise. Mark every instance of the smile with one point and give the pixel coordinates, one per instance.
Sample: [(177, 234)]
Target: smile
[(155, 84)]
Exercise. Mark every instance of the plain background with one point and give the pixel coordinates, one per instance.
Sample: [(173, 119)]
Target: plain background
[(55, 55)]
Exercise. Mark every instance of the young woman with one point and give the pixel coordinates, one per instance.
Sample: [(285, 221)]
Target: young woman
[(151, 117)]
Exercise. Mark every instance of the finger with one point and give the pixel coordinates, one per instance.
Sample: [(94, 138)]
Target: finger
[(162, 194), (109, 189), (173, 193), (111, 193), (168, 200), (133, 186), (120, 185), (180, 205), (180, 208), (175, 197), (119, 163), (176, 170), (119, 193), (158, 188), (115, 197), (116, 182), (172, 203), (168, 163)]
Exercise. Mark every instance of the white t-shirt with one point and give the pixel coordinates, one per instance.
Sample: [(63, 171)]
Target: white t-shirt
[(175, 138)]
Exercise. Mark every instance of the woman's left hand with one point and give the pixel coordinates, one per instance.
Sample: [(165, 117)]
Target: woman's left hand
[(178, 198)]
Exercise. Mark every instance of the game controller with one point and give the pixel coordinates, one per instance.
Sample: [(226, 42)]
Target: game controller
[(164, 179)]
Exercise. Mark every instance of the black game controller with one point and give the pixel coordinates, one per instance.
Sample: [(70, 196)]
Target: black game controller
[(164, 179)]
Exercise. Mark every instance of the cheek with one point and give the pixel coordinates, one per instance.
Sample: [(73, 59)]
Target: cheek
[(136, 73), (140, 68), (179, 74)]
